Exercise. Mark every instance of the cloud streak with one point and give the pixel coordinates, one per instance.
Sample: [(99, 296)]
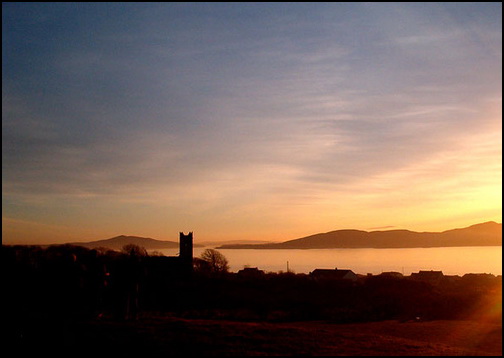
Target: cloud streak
[(236, 107)]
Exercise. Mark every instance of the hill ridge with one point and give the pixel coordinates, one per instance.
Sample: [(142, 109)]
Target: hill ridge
[(117, 242), (483, 234)]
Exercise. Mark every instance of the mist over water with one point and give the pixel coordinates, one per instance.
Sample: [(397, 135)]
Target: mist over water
[(450, 260)]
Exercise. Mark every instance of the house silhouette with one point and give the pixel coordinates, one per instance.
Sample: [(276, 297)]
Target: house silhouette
[(334, 274), (433, 277)]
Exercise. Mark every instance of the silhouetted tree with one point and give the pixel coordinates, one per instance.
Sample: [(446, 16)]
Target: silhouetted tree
[(217, 262), (134, 250), (130, 279)]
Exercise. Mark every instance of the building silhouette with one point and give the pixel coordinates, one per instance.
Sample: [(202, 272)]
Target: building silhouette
[(250, 272), (432, 277), (335, 274), (180, 266), (186, 251)]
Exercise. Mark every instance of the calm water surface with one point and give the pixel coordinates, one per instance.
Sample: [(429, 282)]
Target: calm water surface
[(450, 260)]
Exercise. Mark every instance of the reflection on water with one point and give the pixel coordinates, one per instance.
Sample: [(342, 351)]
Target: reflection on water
[(450, 260)]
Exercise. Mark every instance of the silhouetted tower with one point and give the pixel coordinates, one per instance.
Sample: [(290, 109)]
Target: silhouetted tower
[(186, 249)]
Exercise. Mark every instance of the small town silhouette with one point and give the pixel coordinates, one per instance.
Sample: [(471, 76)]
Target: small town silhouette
[(65, 297)]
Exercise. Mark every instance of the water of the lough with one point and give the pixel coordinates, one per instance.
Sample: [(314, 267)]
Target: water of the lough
[(450, 260)]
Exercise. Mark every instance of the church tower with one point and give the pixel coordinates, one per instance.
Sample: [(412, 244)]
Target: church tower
[(186, 249)]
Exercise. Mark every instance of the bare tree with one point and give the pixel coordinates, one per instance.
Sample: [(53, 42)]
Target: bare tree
[(134, 250), (217, 262)]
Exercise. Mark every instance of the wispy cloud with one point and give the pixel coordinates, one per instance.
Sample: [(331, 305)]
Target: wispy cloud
[(245, 108)]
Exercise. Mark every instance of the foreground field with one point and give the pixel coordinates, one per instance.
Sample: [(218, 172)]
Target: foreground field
[(74, 300), (164, 336)]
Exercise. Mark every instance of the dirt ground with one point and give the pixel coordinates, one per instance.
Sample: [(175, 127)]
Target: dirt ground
[(165, 336)]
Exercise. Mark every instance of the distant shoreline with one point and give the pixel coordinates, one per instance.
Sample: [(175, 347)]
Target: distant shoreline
[(238, 247), (484, 234), (479, 235)]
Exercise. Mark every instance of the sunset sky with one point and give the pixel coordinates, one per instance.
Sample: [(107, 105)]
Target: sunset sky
[(267, 121)]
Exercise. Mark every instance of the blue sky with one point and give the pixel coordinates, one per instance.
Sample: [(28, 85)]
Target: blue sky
[(248, 120)]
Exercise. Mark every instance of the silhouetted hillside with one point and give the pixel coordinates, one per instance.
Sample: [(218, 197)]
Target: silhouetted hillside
[(116, 243), (485, 234), (65, 298)]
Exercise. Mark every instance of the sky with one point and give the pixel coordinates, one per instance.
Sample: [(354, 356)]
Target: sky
[(263, 121)]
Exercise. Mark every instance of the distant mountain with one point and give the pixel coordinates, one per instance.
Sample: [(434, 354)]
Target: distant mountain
[(117, 243), (485, 234)]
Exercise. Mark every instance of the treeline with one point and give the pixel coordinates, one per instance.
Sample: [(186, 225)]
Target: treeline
[(79, 283)]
